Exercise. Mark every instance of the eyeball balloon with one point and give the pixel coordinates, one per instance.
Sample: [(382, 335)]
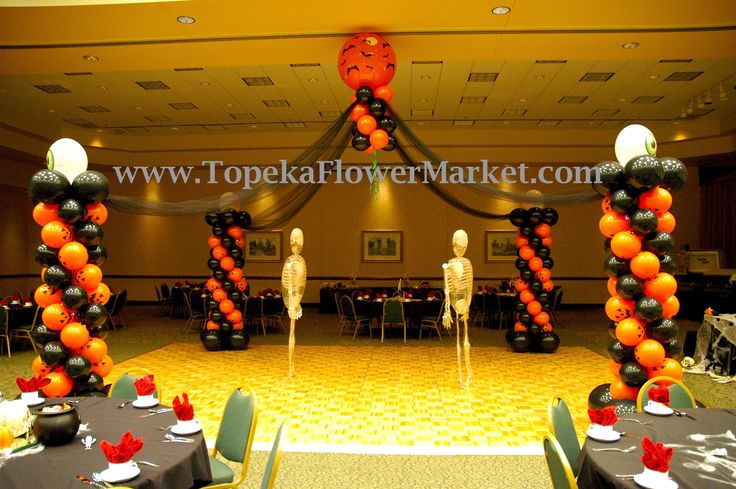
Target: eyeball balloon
[(634, 140), (67, 157)]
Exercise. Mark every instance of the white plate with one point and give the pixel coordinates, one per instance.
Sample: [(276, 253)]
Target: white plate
[(644, 481), (186, 430), (146, 403), (603, 435), (658, 411), (120, 475), (34, 402)]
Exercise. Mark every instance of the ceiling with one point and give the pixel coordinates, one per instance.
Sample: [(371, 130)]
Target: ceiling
[(538, 67)]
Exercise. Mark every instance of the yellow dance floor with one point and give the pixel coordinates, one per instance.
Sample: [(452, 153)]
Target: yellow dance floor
[(382, 398)]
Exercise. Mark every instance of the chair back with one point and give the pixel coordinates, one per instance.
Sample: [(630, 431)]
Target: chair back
[(124, 387), (558, 299), (158, 293), (274, 460), (348, 308), (253, 307), (680, 396), (238, 427), (562, 427), (393, 311), (338, 305), (559, 469), (196, 304), (165, 291), (491, 302), (120, 301)]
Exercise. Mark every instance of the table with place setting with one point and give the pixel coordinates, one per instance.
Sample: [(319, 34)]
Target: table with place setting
[(702, 442), (166, 454)]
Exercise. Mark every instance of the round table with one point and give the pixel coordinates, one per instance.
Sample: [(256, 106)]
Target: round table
[(599, 469), (183, 465)]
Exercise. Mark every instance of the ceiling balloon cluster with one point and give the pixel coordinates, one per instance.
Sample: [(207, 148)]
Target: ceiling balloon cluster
[(637, 196)]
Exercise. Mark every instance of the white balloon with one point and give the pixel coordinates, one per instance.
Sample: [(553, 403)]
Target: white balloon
[(68, 157), (634, 140)]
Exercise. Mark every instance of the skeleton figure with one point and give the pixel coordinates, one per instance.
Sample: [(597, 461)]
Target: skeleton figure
[(293, 282), (458, 274)]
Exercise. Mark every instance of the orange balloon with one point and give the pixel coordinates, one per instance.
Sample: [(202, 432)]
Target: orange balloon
[(241, 285), (235, 316), (370, 150), (526, 252), (219, 252), (103, 367), (542, 230), (547, 328), (547, 241), (534, 308), (657, 200), (666, 222), (227, 306), (235, 275), (614, 368), (235, 232), (73, 255), (521, 241), (618, 309), (45, 213), (238, 326), (56, 316), (379, 138), (520, 327), (56, 234), (74, 335), (101, 295), (543, 275), (536, 264), (95, 350), (548, 286), (61, 385), (625, 245), (219, 295), (606, 204), (520, 285), (384, 93), (611, 285), (526, 296), (89, 277), (668, 368), (661, 286), (644, 264), (240, 243), (358, 111), (227, 263), (39, 367), (619, 390), (212, 326), (630, 332), (212, 285), (213, 241), (542, 318), (45, 296), (649, 353), (97, 213), (366, 124), (670, 307), (612, 223)]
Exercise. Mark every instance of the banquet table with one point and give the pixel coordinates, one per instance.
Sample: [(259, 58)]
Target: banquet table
[(183, 465), (20, 315), (599, 469), (414, 309)]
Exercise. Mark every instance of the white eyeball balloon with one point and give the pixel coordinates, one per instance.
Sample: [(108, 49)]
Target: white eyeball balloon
[(634, 140), (68, 157)]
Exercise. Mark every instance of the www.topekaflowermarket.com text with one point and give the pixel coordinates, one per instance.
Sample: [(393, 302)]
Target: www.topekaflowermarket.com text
[(321, 171)]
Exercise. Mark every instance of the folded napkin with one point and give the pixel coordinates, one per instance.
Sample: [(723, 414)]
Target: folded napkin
[(604, 417), (182, 409), (656, 456), (33, 384), (145, 386), (123, 451), (660, 394)]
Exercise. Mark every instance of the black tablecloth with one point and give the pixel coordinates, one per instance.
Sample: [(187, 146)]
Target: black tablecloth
[(599, 469), (183, 465), (414, 310), (20, 315)]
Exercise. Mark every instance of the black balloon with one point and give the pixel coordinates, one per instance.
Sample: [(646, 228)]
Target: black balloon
[(633, 374), (93, 314), (624, 407), (77, 366), (612, 329), (91, 186), (239, 340), (239, 263), (526, 230), (521, 264), (535, 215), (536, 286), (47, 186), (623, 201), (615, 266), (42, 334), (663, 330), (213, 263), (387, 124), (89, 384), (647, 309), (227, 286), (218, 230), (226, 327), (535, 242), (675, 173), (97, 254), (543, 298), (228, 217), (53, 353), (667, 264), (391, 144), (543, 252), (525, 318), (611, 176), (236, 296), (620, 353), (550, 216), (517, 217), (211, 218), (548, 263), (600, 396), (227, 241), (57, 276), (219, 275), (519, 306), (644, 221), (71, 211), (361, 142), (211, 341), (354, 129), (526, 275), (89, 233), (644, 172), (363, 94), (235, 253), (607, 245), (629, 287), (548, 342), (73, 296), (659, 243), (216, 315), (243, 219), (534, 329), (520, 342), (377, 108), (673, 349), (47, 256)]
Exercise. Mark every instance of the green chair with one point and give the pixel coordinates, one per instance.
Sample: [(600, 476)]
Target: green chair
[(680, 395), (272, 466), (348, 310), (124, 387), (432, 322), (234, 439), (562, 427), (23, 325), (393, 313), (559, 469)]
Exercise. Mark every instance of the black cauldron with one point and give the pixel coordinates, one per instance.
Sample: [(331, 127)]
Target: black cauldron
[(53, 428)]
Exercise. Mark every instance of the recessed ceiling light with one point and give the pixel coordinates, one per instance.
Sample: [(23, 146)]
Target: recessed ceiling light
[(204, 84), (501, 10), (312, 80), (324, 102), (653, 77), (3, 90), (423, 100), (420, 123), (52, 110), (98, 130), (506, 123), (174, 128), (185, 19), (622, 100), (630, 45), (90, 57), (138, 107), (522, 100), (228, 105), (102, 87), (539, 77), (253, 126), (425, 77)]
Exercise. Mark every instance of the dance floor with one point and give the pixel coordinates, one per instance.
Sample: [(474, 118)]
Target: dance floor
[(383, 399)]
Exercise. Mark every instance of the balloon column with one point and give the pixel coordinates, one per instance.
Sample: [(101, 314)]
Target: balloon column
[(637, 224), (73, 296), (367, 63), (533, 330), (226, 288)]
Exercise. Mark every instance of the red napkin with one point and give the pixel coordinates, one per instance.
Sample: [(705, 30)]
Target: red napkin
[(660, 394), (182, 409), (656, 457), (603, 417), (123, 451), (33, 384), (145, 386)]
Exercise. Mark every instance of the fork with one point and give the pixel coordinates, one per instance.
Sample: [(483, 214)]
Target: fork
[(622, 450), (643, 423), (150, 464), (96, 477), (124, 404)]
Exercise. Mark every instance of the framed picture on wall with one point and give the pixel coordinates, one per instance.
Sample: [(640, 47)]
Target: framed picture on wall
[(500, 246), (263, 246), (382, 246)]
